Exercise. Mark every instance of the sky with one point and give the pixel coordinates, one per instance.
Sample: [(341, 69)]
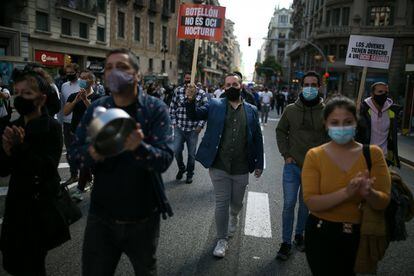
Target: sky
[(251, 19)]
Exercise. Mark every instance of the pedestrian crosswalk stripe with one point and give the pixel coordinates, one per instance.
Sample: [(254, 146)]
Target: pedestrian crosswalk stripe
[(264, 161), (274, 120), (257, 222), (63, 166)]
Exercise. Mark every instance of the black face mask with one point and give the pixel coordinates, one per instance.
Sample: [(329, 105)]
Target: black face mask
[(24, 106), (71, 77), (233, 94), (381, 99)]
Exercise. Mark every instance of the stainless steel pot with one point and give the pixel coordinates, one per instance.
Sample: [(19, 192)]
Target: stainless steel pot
[(109, 129)]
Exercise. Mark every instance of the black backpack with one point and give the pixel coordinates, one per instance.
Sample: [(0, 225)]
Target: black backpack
[(401, 207)]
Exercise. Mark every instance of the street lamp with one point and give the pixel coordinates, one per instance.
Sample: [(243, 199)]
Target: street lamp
[(164, 50)]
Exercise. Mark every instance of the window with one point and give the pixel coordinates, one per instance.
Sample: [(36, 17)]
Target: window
[(172, 6), (137, 29), (83, 30), (345, 16), (282, 35), (336, 13), (328, 18), (170, 64), (164, 37), (342, 51), (151, 32), (101, 34), (283, 19), (410, 54), (163, 65), (66, 26), (332, 50), (281, 45), (3, 51), (150, 64), (380, 16), (121, 24), (102, 6), (42, 21)]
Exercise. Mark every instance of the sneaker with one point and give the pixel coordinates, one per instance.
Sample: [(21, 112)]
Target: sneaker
[(180, 175), (284, 252), (71, 180), (189, 180), (221, 247), (299, 243), (77, 195), (234, 221)]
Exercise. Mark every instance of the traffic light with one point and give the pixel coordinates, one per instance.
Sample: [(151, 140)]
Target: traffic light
[(249, 41)]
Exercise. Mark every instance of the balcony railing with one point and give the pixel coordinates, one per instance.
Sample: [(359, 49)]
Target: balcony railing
[(334, 30), (80, 7), (139, 4)]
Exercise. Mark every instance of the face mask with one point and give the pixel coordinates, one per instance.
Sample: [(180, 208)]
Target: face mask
[(83, 84), (342, 135), (310, 93), (24, 106), (233, 94), (71, 77), (119, 81), (380, 99)]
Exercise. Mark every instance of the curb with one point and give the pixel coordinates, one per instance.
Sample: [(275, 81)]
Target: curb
[(406, 161)]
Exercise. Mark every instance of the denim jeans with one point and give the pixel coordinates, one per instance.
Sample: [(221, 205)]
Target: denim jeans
[(106, 240), (68, 138), (229, 192), (292, 188), (265, 112), (191, 139)]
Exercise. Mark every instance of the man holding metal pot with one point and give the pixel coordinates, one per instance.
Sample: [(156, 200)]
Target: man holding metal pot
[(128, 194)]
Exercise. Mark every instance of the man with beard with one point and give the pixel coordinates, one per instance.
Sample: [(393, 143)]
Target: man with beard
[(128, 194), (378, 124), (300, 128), (232, 147), (186, 130)]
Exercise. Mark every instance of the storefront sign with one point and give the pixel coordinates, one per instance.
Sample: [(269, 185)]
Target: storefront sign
[(201, 22), (50, 58), (97, 67), (369, 51)]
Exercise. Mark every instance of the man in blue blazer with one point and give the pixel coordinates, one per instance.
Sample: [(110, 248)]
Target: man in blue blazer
[(231, 148)]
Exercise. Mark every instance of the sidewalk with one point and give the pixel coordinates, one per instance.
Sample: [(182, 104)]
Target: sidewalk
[(406, 149)]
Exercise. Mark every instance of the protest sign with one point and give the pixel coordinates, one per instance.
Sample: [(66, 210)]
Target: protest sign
[(369, 51), (201, 22)]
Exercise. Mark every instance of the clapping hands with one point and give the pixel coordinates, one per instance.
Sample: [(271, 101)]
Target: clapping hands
[(12, 136), (360, 185)]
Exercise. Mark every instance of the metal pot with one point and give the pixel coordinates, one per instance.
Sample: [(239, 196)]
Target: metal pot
[(109, 130)]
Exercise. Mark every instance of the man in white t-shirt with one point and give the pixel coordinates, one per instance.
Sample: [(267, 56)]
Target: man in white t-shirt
[(265, 100), (218, 92), (4, 97), (68, 88)]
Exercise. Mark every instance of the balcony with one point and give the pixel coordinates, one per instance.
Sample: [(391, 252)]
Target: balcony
[(333, 31), (388, 31), (139, 4), (84, 8)]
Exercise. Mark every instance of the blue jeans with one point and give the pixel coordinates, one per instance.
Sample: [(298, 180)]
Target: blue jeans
[(191, 139), (291, 189)]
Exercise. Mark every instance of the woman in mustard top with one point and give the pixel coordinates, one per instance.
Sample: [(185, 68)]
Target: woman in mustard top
[(335, 181)]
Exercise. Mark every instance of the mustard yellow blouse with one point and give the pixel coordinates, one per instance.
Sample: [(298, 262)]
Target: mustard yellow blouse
[(320, 175)]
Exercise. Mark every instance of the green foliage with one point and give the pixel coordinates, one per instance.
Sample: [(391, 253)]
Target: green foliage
[(268, 68)]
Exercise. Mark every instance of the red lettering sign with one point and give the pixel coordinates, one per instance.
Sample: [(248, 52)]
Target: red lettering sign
[(50, 58), (201, 22)]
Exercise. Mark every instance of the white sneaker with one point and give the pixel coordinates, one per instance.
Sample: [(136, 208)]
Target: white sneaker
[(77, 195), (221, 247), (234, 221)]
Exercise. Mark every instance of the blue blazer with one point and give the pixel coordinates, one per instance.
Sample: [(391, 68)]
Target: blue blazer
[(214, 112)]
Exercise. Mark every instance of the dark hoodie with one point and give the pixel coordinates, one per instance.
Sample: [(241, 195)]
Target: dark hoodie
[(301, 128)]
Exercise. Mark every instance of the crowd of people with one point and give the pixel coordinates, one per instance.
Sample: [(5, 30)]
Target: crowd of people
[(321, 142)]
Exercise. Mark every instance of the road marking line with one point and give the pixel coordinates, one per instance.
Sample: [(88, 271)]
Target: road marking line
[(261, 127), (257, 222), (264, 161), (63, 165), (274, 120), (1, 221)]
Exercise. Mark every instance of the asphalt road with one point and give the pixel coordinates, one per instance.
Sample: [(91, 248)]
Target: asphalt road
[(188, 238)]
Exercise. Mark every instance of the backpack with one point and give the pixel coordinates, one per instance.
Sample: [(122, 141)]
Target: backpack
[(401, 207)]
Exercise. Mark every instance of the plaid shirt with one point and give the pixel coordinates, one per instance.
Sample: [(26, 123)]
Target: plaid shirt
[(178, 111)]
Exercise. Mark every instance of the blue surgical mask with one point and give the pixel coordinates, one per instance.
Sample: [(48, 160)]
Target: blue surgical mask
[(310, 93), (342, 135), (83, 83)]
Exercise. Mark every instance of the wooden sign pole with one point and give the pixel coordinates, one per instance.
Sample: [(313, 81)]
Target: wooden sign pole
[(195, 56), (361, 88)]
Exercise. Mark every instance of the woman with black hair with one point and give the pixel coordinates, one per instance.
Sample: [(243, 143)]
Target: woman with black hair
[(30, 153)]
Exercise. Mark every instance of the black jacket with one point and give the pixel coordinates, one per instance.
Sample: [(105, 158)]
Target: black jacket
[(363, 134), (31, 220)]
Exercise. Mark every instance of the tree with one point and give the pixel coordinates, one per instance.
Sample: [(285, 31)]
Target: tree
[(269, 68)]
